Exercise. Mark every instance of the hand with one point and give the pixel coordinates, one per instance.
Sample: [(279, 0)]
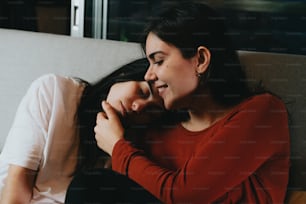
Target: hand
[(108, 129)]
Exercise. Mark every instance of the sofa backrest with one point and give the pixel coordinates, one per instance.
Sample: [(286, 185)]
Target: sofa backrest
[(285, 76), (24, 56)]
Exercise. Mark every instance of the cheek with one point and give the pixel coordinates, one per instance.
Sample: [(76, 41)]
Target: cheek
[(185, 78), (192, 80), (129, 94), (111, 99), (116, 105)]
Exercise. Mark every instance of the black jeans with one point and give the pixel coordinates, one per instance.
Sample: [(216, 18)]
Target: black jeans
[(106, 186)]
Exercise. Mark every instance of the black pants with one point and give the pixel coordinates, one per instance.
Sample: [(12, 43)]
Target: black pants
[(106, 186)]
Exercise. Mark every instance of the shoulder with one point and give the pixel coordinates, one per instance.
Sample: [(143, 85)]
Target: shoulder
[(51, 84), (263, 101), (261, 110), (53, 80), (52, 89), (261, 106)]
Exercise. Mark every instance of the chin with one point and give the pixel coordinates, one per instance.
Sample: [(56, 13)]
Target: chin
[(169, 106)]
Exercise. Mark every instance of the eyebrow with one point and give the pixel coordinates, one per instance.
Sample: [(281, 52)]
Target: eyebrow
[(151, 56)]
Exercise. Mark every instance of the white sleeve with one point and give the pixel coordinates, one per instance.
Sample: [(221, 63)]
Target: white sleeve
[(26, 140)]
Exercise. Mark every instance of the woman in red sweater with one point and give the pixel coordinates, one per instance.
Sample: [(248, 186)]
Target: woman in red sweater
[(234, 145)]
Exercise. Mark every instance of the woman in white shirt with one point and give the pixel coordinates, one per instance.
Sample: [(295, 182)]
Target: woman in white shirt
[(52, 135)]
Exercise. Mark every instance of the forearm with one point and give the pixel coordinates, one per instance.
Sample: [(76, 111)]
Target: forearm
[(18, 186), (150, 176), (243, 146), (248, 143)]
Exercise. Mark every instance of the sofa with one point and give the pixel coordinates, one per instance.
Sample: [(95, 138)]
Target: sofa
[(24, 56)]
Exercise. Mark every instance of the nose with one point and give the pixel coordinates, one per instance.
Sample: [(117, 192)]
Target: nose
[(139, 105), (150, 75)]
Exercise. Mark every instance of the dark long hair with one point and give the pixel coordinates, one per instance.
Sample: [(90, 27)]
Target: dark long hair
[(189, 25), (90, 105)]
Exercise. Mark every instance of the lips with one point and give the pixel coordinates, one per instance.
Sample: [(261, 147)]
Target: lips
[(123, 110), (161, 88)]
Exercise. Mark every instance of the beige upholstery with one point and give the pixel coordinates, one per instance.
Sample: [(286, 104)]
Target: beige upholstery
[(285, 75), (26, 55), (296, 197)]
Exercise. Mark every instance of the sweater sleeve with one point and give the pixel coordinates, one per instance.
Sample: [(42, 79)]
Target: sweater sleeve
[(256, 133)]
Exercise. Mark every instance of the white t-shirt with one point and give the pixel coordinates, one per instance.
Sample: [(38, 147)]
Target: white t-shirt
[(44, 136)]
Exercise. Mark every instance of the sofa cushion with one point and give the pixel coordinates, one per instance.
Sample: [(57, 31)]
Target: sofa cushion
[(24, 56), (285, 76)]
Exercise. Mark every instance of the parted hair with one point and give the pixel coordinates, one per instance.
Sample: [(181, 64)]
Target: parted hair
[(90, 105), (188, 25)]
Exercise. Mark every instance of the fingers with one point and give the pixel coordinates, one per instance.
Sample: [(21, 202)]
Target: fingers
[(108, 129), (109, 110), (108, 114), (101, 116)]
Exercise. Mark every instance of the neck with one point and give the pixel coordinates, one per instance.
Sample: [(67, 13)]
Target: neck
[(204, 112)]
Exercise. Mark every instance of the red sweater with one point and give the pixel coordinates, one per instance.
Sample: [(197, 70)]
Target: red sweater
[(243, 158)]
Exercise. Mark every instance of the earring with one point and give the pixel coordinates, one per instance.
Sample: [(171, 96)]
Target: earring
[(199, 75)]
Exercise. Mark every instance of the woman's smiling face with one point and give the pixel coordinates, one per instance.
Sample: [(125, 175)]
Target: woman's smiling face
[(173, 76)]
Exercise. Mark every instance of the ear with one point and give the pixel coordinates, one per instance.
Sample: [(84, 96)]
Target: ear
[(203, 59)]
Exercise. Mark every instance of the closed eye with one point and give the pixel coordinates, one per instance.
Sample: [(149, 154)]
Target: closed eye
[(144, 94), (159, 62)]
